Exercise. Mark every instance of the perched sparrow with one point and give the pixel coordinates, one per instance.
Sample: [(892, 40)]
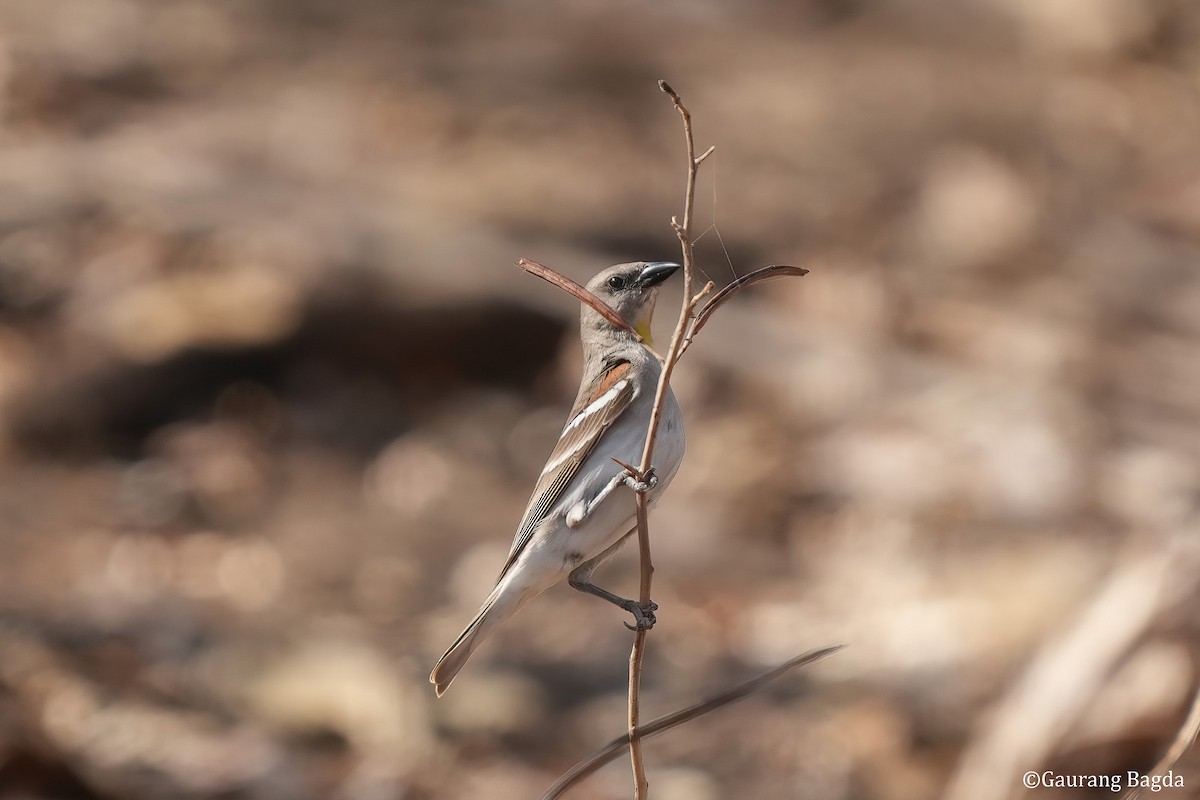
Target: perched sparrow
[(579, 516)]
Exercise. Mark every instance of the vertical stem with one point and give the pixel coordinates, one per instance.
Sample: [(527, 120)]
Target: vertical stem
[(686, 311)]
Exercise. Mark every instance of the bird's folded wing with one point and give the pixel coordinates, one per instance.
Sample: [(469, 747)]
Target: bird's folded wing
[(598, 406)]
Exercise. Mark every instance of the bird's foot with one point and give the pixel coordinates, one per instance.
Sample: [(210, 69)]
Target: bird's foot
[(648, 482), (643, 616)]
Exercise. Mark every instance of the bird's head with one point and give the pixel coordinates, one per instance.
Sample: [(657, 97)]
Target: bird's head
[(631, 290)]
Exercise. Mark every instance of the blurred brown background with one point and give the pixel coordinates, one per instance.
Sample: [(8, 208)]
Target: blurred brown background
[(273, 393)]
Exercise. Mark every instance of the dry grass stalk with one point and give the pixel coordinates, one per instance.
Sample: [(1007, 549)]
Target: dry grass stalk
[(1068, 671), (1185, 737)]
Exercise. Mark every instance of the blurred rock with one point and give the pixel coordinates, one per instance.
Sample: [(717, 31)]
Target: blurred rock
[(152, 321), (222, 466), (125, 745), (683, 784), (1149, 487), (1082, 27), (346, 687), (972, 209), (493, 704)]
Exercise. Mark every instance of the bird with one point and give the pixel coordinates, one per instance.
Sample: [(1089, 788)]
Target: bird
[(578, 517)]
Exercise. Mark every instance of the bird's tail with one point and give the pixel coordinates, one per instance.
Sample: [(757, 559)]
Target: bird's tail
[(498, 607)]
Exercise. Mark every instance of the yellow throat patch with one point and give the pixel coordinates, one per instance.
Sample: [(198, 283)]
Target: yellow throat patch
[(643, 330)]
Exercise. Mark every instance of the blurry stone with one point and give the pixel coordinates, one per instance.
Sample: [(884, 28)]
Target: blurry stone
[(972, 209), (1149, 487), (95, 37), (313, 129), (841, 297), (1015, 446), (492, 703), (498, 779), (871, 585), (566, 628), (1183, 306), (741, 465), (68, 706), (316, 550), (223, 465), (1153, 385), (829, 381), (141, 164), (131, 747), (476, 571), (198, 556), (877, 735), (996, 336), (194, 39), (475, 425), (692, 507), (134, 745), (18, 367), (152, 492), (411, 476), (151, 321), (820, 376), (533, 437), (683, 783), (869, 730), (123, 254), (251, 404), (595, 719), (374, 778), (1094, 28), (250, 574), (138, 567), (893, 466), (1090, 123), (347, 687), (384, 587), (33, 267)]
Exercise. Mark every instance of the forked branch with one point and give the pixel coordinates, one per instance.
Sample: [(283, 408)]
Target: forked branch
[(694, 313)]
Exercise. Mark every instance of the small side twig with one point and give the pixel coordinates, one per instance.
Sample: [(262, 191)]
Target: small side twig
[(578, 291), (758, 276), (612, 750)]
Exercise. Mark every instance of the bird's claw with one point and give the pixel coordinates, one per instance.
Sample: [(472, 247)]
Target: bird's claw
[(643, 617), (650, 480)]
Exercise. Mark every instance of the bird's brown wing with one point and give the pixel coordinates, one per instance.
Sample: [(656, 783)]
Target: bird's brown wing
[(597, 407)]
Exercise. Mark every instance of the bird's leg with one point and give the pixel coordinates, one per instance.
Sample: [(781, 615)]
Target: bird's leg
[(643, 617)]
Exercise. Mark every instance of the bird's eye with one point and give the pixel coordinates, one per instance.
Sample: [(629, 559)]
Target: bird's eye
[(616, 282)]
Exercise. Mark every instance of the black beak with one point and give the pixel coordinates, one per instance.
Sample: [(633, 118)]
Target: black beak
[(655, 272)]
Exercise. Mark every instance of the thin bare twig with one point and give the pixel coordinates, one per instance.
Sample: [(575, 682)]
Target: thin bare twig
[(612, 750), (758, 276), (687, 308), (578, 292)]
